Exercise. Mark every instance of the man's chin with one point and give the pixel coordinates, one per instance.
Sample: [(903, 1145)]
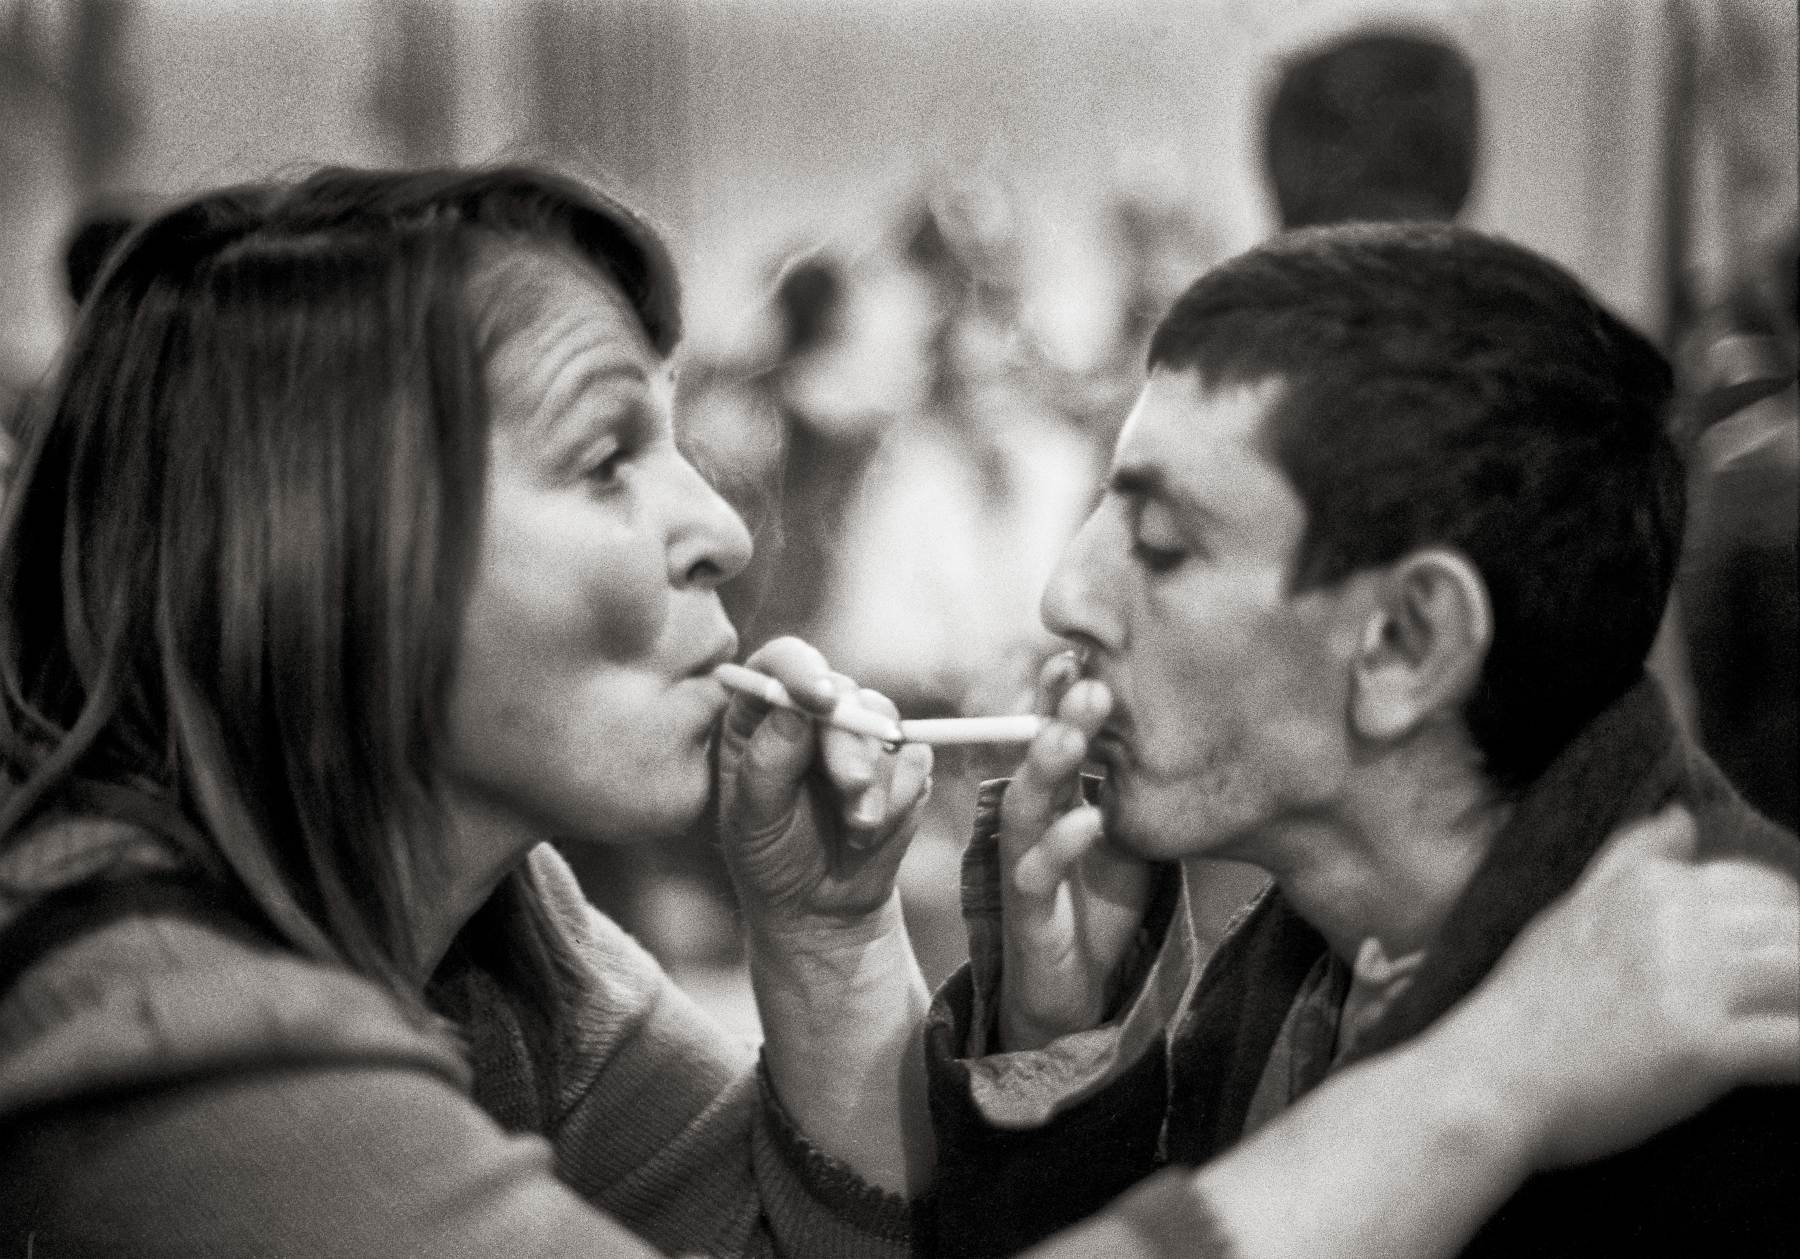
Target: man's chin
[(1134, 827), (1122, 828)]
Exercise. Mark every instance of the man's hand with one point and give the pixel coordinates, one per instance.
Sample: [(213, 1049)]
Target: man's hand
[(814, 820), (1071, 902), (1651, 989)]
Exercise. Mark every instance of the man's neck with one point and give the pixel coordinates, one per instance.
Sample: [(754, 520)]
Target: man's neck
[(1390, 863)]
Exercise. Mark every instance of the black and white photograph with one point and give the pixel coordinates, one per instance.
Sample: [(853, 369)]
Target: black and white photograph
[(899, 629)]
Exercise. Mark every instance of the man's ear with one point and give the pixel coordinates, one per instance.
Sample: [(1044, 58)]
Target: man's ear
[(1423, 645)]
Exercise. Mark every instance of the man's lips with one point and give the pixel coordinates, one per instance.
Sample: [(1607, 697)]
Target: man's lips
[(1108, 747)]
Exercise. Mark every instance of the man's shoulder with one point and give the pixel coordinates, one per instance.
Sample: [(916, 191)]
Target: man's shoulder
[(1721, 1182), (1727, 824)]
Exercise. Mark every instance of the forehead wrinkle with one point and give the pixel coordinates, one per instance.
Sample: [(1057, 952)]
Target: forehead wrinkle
[(580, 371), (536, 304), (561, 365)]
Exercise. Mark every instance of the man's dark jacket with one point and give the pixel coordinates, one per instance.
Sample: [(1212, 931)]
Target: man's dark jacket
[(1726, 1182)]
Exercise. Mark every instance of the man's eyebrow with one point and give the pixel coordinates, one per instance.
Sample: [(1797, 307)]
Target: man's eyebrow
[(1147, 481), (1137, 481)]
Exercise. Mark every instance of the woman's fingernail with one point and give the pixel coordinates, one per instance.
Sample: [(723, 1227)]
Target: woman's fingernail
[(870, 808)]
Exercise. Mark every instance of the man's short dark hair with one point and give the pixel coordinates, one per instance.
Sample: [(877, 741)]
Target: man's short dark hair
[(1377, 125), (1444, 387)]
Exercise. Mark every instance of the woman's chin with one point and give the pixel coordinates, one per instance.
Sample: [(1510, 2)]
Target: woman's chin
[(672, 815)]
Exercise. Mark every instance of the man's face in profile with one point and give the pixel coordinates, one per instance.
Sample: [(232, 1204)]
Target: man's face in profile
[(1229, 691)]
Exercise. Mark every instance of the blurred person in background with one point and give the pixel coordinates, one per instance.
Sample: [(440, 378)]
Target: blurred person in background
[(1366, 603), (827, 431), (352, 559), (961, 511), (1730, 238), (1374, 125), (1165, 246), (784, 432), (954, 522), (1740, 608)]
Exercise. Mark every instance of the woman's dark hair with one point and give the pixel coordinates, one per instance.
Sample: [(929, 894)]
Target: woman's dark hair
[(236, 551), (95, 235)]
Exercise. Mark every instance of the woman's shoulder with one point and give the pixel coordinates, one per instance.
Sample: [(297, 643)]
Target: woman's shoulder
[(602, 945), (135, 975), (615, 991)]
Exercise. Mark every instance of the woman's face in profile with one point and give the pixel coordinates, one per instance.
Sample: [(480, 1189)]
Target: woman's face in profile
[(582, 703)]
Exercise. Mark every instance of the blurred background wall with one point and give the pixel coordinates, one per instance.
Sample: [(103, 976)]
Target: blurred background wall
[(921, 240), (747, 124)]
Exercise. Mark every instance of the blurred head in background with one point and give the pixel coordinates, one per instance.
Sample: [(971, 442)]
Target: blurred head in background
[(809, 304), (1375, 125)]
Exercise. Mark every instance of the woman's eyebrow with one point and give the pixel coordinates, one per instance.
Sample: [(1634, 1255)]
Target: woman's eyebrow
[(581, 374), (585, 371)]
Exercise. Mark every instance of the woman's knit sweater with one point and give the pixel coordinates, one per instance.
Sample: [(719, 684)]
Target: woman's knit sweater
[(172, 1083)]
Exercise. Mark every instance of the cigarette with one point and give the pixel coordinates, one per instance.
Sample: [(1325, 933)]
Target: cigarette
[(852, 716), (1021, 729), (848, 715)]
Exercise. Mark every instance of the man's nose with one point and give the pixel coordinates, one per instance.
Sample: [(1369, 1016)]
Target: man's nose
[(1078, 599)]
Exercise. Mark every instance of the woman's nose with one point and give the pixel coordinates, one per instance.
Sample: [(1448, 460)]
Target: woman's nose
[(710, 544)]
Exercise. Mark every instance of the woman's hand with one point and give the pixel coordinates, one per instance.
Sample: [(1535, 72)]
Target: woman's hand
[(1652, 988), (1649, 990), (814, 819), (1071, 902), (814, 822)]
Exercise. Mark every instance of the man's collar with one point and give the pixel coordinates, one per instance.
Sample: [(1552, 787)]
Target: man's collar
[(1626, 763)]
